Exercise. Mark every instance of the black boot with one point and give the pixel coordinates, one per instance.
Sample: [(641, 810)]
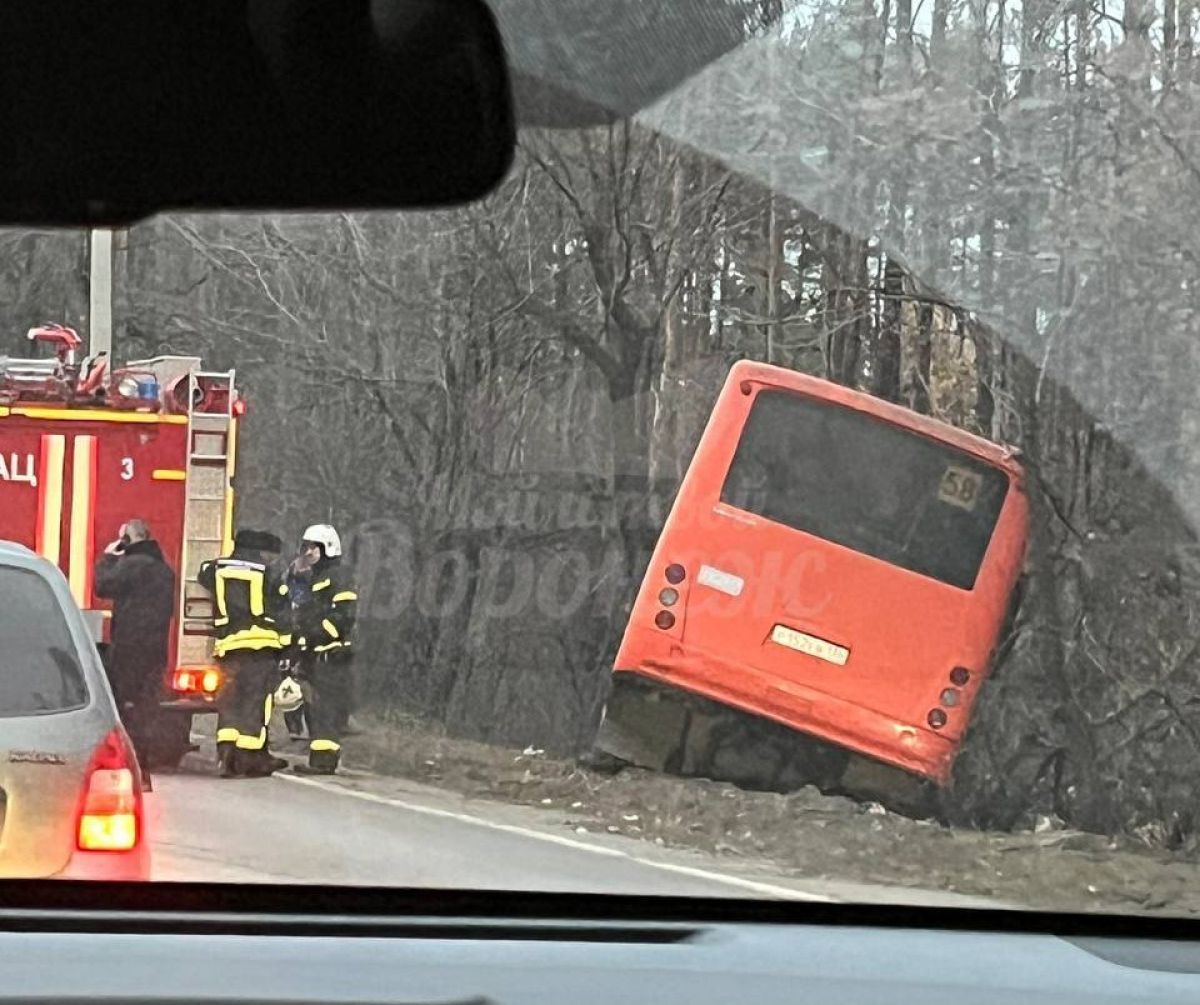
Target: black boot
[(262, 765)]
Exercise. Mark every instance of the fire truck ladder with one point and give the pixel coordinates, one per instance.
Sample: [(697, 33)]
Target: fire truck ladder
[(209, 469)]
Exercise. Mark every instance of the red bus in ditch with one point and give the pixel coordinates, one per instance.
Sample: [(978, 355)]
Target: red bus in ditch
[(832, 562)]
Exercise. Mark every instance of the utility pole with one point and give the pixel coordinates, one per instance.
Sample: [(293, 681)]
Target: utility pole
[(100, 298)]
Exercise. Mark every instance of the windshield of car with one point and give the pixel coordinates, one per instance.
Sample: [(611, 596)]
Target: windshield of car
[(41, 672), (475, 654)]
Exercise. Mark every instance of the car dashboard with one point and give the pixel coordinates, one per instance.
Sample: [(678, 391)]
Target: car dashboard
[(208, 944)]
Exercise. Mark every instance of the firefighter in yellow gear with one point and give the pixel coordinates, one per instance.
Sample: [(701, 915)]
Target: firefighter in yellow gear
[(252, 624), (323, 634)]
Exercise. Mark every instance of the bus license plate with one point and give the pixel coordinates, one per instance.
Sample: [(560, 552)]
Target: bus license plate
[(810, 645)]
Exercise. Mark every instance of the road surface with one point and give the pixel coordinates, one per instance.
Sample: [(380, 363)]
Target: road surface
[(364, 829), (368, 830)]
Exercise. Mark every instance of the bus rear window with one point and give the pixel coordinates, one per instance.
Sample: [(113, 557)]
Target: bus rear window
[(39, 671), (866, 484)]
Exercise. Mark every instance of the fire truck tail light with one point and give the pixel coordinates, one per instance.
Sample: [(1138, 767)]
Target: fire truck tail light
[(189, 680), (239, 407)]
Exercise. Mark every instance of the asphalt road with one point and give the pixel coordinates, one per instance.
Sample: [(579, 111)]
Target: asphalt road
[(371, 830), (368, 830)]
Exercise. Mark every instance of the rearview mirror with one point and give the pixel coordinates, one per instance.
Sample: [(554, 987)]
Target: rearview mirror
[(114, 109)]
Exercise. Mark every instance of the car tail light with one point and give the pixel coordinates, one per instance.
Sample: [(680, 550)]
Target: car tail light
[(110, 818)]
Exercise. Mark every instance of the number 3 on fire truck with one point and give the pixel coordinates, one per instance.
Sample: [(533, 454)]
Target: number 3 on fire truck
[(126, 469)]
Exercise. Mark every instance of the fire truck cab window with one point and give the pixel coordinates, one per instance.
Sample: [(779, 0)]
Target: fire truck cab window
[(863, 483), (40, 672)]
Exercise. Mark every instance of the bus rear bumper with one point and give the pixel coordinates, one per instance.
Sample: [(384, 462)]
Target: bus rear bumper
[(903, 745)]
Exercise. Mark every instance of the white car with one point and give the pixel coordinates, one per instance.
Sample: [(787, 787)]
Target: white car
[(70, 786)]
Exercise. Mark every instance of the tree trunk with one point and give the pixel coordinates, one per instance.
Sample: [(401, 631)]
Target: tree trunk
[(848, 307), (1170, 37), (773, 269), (885, 381), (919, 397), (904, 41), (662, 460)]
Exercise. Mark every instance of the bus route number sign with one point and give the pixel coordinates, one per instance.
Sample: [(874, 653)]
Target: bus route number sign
[(960, 487)]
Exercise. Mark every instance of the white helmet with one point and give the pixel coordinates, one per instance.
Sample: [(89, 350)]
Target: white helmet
[(288, 696), (326, 537)]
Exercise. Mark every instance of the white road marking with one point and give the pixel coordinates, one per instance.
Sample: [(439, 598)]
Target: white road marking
[(750, 885)]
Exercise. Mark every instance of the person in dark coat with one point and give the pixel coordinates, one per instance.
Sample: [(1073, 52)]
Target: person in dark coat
[(133, 574)]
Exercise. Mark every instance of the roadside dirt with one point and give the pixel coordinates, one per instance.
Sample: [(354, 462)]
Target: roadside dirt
[(803, 834)]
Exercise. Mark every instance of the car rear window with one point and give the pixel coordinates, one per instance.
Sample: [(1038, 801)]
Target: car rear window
[(866, 484), (39, 667)]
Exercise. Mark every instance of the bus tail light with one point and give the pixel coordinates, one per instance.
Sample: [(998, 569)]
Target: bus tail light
[(110, 818), (668, 596)]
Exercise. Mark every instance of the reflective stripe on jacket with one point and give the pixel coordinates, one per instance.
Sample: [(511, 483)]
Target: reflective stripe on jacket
[(250, 604), (326, 620)]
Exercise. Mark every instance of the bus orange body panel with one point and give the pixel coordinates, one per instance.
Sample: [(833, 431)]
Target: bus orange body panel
[(853, 619)]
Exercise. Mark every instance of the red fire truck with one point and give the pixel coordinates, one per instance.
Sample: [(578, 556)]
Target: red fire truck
[(85, 446)]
